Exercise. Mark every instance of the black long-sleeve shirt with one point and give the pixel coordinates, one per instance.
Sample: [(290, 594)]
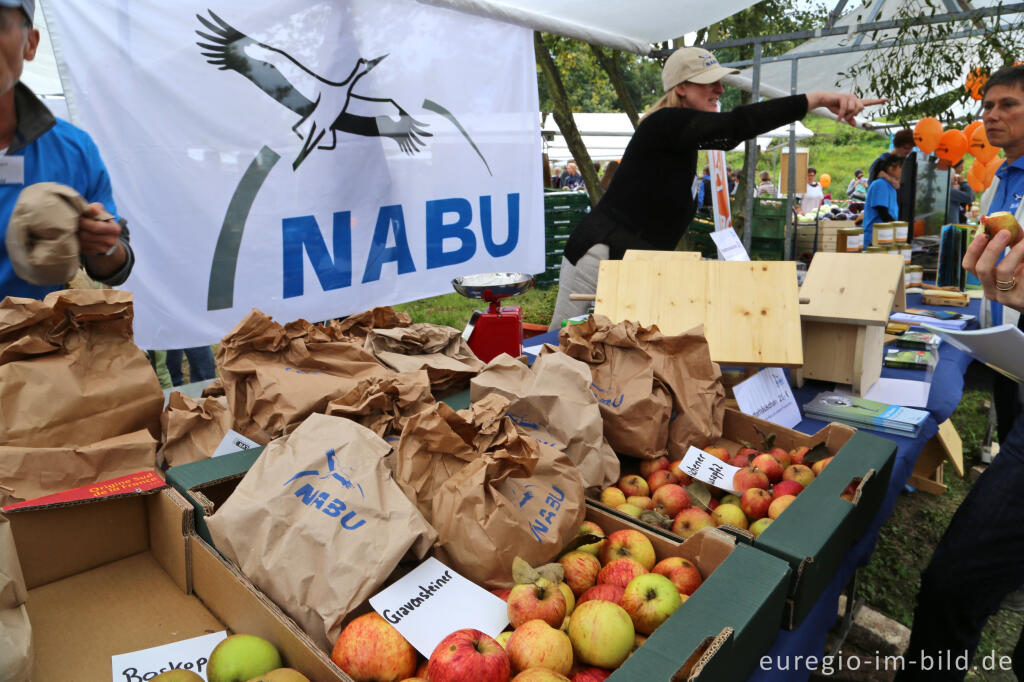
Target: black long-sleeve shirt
[(650, 201)]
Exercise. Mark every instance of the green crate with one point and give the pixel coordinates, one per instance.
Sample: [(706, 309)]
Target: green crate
[(768, 207), (771, 228), (764, 248)]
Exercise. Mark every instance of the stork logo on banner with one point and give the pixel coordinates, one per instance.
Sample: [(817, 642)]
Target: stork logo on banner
[(323, 115)]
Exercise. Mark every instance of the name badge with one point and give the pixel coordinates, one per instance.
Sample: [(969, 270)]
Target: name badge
[(12, 170)]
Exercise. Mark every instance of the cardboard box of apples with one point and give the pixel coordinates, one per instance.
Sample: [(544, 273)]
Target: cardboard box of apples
[(804, 498), (621, 603)]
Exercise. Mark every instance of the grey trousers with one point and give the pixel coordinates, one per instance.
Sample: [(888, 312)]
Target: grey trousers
[(577, 279)]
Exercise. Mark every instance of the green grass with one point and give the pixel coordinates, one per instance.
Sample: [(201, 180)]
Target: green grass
[(454, 310)]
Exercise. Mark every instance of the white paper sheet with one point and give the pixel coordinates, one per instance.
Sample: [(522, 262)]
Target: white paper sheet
[(767, 395), (708, 468), (903, 392), (729, 245), (433, 601), (145, 664)]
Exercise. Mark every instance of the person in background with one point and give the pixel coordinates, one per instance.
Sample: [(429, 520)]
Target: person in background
[(648, 205), (980, 558), (556, 177), (731, 179), (857, 190), (200, 364), (571, 178), (813, 194), (960, 195), (609, 173), (881, 203), (766, 188), (52, 150), (903, 146), (704, 191)]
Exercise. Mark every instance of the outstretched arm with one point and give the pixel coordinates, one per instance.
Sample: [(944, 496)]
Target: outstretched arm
[(844, 105)]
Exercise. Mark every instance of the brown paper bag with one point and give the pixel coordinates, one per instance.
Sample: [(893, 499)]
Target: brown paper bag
[(33, 472), (520, 498), (385, 405), (15, 629), (70, 373), (552, 402), (42, 235), (440, 350), (275, 376), (383, 317), (319, 524), (192, 429), (658, 394)]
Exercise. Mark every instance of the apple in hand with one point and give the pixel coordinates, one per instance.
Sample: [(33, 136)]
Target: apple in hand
[(466, 655), (629, 543), (649, 600), (689, 521), (620, 572), (541, 600), (1002, 220), (581, 569), (370, 648), (535, 644), (601, 633), (755, 503)]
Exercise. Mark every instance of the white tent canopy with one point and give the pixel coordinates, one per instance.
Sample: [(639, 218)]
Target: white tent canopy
[(632, 26), (606, 135)]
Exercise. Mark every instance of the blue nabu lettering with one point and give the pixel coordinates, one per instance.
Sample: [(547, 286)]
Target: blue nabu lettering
[(446, 221), (311, 497)]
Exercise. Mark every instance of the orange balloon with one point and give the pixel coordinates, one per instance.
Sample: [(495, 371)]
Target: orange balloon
[(990, 170), (976, 176), (825, 180), (979, 146), (970, 128), (975, 82), (927, 133), (952, 145)]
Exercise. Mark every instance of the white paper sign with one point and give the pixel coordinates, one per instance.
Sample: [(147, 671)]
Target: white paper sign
[(433, 601), (233, 441), (189, 654), (767, 395), (708, 468), (729, 245)]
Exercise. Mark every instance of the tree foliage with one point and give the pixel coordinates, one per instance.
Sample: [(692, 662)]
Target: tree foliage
[(923, 74)]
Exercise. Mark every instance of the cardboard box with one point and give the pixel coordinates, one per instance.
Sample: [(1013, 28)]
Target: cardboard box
[(208, 482), (720, 635), (114, 575)]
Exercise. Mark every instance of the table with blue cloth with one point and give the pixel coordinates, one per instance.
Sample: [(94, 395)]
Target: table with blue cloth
[(796, 653), (947, 388)]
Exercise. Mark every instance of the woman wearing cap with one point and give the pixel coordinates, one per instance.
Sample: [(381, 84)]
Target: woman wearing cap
[(651, 199)]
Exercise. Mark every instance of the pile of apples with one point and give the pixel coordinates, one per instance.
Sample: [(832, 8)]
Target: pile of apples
[(661, 494), (610, 594)]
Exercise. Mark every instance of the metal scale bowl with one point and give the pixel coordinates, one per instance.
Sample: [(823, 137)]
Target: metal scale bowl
[(499, 329)]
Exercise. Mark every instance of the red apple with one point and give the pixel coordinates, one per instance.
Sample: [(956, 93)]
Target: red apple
[(686, 578), (634, 485), (620, 572), (535, 644), (786, 488), (740, 461), (749, 477), (779, 505), (668, 564), (729, 514), (649, 600), (612, 496), (800, 473), (540, 675), (820, 465), (660, 478), (629, 543), (591, 674), (782, 456), (682, 477), (749, 452), (770, 466), (689, 521), (755, 503), (720, 453), (502, 593), (370, 648), (649, 466), (541, 600), (603, 592), (467, 655), (670, 499), (581, 569), (796, 455), (1002, 220), (602, 633)]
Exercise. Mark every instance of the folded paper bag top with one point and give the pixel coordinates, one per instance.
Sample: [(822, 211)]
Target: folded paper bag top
[(42, 236)]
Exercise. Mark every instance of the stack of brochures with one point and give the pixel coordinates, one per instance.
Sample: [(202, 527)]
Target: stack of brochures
[(937, 318), (866, 414), (908, 358), (917, 341)]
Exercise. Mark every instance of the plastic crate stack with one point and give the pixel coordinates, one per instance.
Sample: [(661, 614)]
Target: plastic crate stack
[(562, 211), (768, 229)]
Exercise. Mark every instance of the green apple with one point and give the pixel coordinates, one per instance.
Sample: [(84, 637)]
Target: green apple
[(177, 676), (535, 644), (601, 633), (281, 675), (240, 658), (649, 600)]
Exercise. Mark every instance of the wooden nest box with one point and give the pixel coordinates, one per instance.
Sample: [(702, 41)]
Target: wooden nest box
[(849, 299)]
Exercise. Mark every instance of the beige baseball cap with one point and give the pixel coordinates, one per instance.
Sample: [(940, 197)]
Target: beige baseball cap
[(693, 64)]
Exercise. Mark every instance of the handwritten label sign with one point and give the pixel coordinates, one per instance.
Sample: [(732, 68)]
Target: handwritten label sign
[(433, 601), (233, 441), (729, 245), (767, 395), (189, 654), (708, 468)]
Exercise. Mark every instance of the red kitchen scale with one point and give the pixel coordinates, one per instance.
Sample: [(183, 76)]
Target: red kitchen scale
[(499, 329)]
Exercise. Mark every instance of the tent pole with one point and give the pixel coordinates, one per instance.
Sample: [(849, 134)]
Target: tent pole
[(790, 227), (751, 162)]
